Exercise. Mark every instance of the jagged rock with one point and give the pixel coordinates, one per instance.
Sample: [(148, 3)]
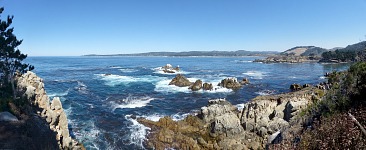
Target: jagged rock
[(295, 87), (180, 81), (207, 86), (33, 89), (56, 104), (244, 81), (6, 116), (230, 83), (196, 85), (219, 125), (168, 68)]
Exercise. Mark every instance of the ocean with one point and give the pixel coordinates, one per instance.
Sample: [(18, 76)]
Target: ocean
[(102, 96)]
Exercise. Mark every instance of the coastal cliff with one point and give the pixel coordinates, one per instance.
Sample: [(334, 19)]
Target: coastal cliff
[(220, 125), (31, 87)]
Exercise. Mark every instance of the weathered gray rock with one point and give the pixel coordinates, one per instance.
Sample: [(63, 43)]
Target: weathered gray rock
[(7, 116)]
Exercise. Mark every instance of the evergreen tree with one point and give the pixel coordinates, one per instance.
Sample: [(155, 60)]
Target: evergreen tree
[(10, 56)]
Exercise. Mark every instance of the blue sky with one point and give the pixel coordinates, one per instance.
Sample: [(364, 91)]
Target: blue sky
[(66, 28)]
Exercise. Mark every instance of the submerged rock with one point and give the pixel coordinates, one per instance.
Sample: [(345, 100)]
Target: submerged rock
[(245, 81), (180, 81)]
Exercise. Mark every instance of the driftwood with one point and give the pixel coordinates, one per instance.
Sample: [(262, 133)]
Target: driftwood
[(358, 123)]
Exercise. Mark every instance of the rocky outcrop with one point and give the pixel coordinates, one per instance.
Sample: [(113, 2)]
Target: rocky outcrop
[(230, 83), (219, 125), (168, 68), (32, 88), (207, 86), (196, 85), (180, 81)]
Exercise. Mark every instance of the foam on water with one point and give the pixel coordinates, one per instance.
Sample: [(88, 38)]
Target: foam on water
[(131, 102), (265, 92), (243, 61), (113, 80), (239, 106), (59, 94), (127, 70), (255, 74), (322, 77), (138, 132)]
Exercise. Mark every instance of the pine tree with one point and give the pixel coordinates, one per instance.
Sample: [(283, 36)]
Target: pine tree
[(10, 56)]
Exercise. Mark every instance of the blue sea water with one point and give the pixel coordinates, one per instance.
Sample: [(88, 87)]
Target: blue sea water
[(100, 107)]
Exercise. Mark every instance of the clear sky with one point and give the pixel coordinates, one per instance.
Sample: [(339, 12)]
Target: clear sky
[(77, 27)]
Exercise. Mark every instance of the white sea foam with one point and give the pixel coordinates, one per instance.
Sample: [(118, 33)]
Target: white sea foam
[(265, 92), (113, 80), (243, 61), (179, 116), (59, 94), (322, 77), (115, 67), (255, 74), (127, 70), (138, 132), (131, 102), (239, 106)]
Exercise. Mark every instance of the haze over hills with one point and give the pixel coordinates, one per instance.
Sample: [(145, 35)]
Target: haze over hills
[(295, 51), (199, 53)]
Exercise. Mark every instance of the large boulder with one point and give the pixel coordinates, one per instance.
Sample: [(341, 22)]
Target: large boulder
[(196, 86), (230, 83), (180, 81)]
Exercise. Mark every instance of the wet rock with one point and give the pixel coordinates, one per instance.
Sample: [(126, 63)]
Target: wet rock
[(196, 86), (230, 83), (207, 86), (245, 81), (180, 81)]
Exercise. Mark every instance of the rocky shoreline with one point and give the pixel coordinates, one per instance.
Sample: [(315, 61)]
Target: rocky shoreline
[(287, 59), (31, 87), (220, 125)]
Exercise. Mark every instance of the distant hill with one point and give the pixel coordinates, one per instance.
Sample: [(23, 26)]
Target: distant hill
[(355, 47), (305, 51), (199, 53)]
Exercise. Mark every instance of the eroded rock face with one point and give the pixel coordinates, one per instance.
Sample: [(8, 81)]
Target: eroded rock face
[(32, 88), (230, 83), (245, 81), (219, 125), (180, 81)]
